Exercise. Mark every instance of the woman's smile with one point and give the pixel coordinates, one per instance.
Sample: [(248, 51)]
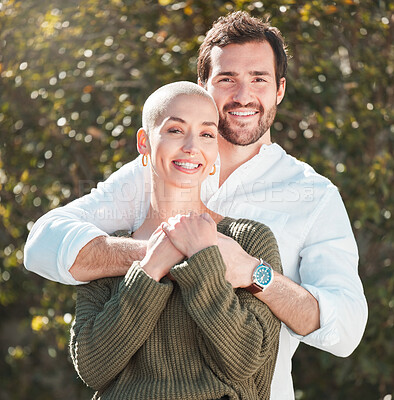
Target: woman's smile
[(187, 166)]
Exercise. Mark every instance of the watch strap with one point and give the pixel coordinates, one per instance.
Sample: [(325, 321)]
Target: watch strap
[(253, 288)]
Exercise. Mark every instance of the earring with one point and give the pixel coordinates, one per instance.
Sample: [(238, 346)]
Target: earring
[(214, 170), (145, 160)]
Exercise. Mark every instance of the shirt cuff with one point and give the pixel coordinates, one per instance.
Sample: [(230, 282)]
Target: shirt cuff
[(327, 335), (72, 245)]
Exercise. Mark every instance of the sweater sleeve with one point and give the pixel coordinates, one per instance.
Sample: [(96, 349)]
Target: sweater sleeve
[(240, 334), (114, 317)]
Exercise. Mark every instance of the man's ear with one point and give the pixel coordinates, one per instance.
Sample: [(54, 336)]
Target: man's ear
[(199, 83), (281, 90), (142, 141)]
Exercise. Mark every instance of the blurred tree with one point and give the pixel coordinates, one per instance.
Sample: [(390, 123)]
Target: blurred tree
[(73, 78)]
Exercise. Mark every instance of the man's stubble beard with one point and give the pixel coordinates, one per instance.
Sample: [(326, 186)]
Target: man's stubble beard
[(239, 135)]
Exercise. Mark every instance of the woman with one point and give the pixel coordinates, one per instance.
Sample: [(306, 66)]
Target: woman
[(173, 327)]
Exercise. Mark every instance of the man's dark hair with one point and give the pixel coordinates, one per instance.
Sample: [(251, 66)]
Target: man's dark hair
[(238, 28)]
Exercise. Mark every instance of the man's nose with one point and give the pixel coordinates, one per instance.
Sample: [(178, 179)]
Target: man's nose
[(242, 94)]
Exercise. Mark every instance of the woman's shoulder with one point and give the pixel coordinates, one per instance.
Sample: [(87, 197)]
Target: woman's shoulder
[(241, 227), (254, 237)]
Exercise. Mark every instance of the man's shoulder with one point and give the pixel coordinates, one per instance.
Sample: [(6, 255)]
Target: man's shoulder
[(132, 168), (127, 181), (122, 196)]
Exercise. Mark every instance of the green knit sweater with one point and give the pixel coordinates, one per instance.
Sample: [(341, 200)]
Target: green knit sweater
[(192, 338)]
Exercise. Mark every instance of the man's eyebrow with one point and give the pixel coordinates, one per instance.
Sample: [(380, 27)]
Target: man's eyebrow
[(260, 73), (251, 73), (227, 73)]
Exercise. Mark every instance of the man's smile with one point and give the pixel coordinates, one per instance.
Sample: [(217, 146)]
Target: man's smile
[(243, 113)]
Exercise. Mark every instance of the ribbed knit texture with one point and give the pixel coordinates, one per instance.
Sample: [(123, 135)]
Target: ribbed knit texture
[(195, 338)]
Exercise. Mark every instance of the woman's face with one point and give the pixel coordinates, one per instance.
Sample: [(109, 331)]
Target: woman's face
[(183, 147)]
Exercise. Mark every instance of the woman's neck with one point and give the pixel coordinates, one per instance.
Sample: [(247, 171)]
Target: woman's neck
[(168, 201)]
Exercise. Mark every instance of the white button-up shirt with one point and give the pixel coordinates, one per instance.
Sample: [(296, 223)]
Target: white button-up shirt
[(303, 209)]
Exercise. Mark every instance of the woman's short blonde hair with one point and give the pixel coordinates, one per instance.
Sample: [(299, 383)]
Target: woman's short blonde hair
[(158, 102)]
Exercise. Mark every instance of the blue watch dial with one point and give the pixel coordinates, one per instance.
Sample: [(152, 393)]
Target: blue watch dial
[(263, 275)]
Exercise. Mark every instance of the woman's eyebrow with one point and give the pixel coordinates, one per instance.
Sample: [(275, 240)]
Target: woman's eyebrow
[(182, 121), (209, 123), (176, 119)]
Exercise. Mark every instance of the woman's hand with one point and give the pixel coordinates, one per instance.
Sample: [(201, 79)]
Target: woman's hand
[(161, 255), (191, 233)]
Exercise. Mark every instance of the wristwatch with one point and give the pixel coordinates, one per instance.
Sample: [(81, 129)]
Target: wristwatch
[(262, 277)]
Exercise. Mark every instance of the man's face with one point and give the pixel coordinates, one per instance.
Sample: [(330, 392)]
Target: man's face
[(242, 82)]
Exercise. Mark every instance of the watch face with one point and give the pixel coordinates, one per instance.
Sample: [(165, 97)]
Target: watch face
[(262, 275)]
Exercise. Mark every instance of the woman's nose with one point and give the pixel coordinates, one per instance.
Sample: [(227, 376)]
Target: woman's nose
[(190, 145)]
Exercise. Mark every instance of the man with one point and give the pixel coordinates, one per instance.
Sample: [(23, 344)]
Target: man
[(319, 299)]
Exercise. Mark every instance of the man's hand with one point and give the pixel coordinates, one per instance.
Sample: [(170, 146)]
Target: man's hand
[(239, 264), (161, 255)]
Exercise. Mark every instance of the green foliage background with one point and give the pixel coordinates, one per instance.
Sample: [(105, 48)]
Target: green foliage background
[(73, 77)]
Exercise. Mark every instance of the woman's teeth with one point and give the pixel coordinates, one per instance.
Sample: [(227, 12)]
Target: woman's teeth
[(186, 165)]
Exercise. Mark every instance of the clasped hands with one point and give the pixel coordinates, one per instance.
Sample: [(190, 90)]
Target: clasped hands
[(184, 235)]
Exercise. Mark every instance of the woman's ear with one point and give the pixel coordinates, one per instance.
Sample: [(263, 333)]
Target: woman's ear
[(142, 141)]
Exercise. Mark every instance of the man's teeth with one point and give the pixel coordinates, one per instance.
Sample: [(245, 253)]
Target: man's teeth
[(186, 165), (243, 113)]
